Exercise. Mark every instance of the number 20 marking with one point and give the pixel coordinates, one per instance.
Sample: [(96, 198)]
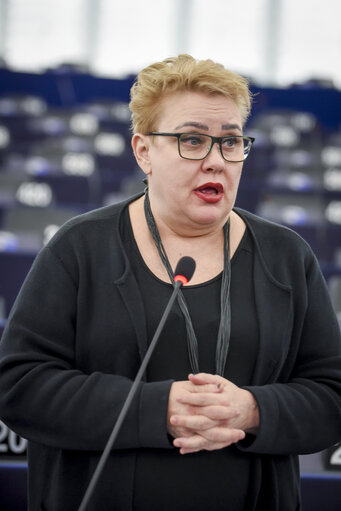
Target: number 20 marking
[(10, 441)]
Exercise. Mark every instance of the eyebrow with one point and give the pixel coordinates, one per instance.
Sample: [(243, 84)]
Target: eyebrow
[(194, 124), (231, 127), (200, 126)]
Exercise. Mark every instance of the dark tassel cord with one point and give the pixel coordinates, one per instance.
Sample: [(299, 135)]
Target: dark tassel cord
[(224, 331)]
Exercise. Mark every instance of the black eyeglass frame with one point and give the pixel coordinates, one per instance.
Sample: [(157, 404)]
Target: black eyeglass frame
[(214, 140)]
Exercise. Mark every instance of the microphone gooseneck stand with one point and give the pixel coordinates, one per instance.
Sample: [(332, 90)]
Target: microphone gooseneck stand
[(183, 273)]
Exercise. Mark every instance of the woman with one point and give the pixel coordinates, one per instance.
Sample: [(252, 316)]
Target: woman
[(254, 329)]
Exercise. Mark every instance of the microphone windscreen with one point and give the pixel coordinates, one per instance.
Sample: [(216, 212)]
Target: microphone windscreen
[(185, 268)]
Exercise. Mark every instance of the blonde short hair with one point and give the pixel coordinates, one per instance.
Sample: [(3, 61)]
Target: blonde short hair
[(183, 73)]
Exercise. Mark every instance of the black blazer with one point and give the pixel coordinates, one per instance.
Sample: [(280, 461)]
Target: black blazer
[(65, 368)]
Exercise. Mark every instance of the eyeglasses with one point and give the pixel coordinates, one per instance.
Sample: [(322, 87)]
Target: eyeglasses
[(196, 146)]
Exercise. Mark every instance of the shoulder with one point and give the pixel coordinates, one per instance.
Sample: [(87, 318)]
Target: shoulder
[(88, 243), (270, 234), (95, 225), (281, 250)]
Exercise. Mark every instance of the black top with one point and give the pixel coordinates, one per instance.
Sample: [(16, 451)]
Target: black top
[(68, 359), (217, 480)]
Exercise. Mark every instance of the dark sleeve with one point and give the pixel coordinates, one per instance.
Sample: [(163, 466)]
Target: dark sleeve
[(303, 414), (44, 397)]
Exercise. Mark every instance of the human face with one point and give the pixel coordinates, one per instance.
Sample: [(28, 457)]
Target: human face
[(193, 194)]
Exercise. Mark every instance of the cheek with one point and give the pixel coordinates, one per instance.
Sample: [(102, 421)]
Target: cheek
[(178, 177), (235, 175)]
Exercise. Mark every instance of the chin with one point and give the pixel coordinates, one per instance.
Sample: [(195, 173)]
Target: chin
[(213, 213), (209, 218)]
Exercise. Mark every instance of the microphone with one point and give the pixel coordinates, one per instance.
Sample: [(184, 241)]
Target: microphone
[(184, 270), (183, 273)]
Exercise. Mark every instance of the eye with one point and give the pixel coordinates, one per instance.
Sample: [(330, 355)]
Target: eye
[(192, 140), (230, 142)]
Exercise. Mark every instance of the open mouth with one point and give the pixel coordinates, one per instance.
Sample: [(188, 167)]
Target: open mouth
[(210, 192), (211, 188)]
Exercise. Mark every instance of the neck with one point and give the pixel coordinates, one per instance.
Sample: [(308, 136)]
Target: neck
[(205, 247), (208, 235), (172, 226), (172, 247)]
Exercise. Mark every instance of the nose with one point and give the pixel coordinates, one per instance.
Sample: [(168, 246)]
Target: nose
[(214, 161)]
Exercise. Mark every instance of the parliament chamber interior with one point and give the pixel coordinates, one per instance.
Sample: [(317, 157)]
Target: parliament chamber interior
[(65, 149)]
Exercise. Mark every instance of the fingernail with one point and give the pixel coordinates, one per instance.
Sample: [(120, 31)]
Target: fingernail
[(173, 420)]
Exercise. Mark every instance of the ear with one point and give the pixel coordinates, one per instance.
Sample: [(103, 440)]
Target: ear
[(141, 145)]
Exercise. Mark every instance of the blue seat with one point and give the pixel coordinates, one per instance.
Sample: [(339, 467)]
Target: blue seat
[(321, 492), (13, 486), (14, 267)]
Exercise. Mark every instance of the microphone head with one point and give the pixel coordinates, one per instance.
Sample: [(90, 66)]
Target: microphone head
[(184, 269)]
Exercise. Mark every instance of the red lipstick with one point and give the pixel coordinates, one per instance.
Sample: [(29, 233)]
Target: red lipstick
[(210, 192)]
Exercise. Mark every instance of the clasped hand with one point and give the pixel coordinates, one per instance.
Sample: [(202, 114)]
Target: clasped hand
[(208, 412)]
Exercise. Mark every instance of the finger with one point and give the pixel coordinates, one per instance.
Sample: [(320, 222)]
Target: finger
[(206, 387), (206, 378), (198, 442), (217, 413), (204, 399), (179, 432), (207, 446), (223, 435), (193, 422)]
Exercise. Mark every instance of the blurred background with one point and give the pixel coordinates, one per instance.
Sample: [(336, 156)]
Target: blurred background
[(66, 69)]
